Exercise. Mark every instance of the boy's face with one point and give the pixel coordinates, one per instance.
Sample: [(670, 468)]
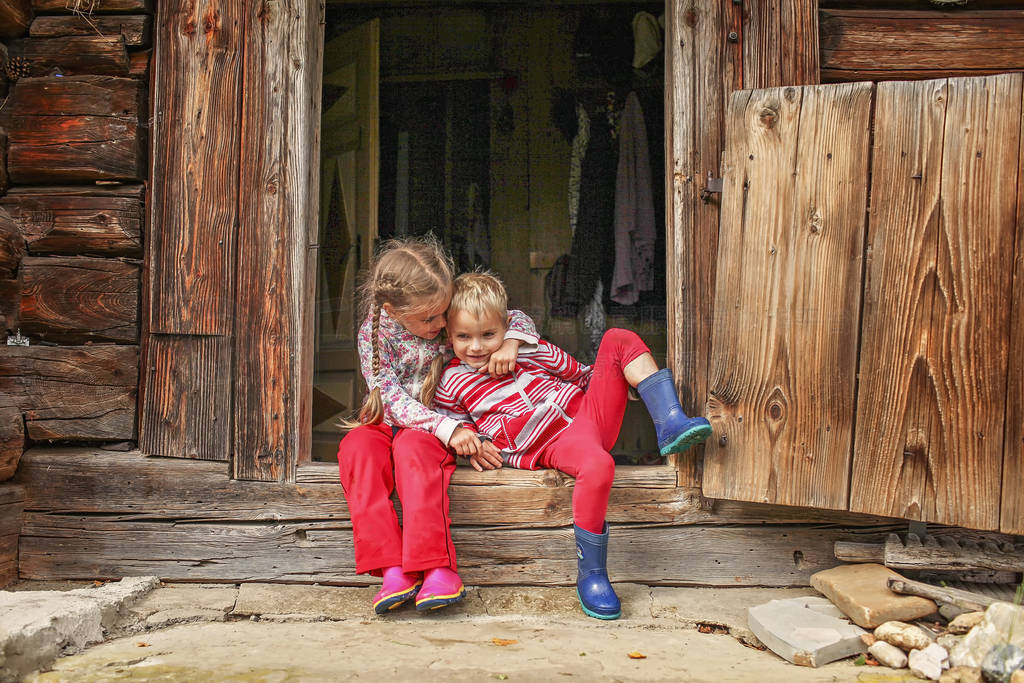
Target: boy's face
[(475, 339)]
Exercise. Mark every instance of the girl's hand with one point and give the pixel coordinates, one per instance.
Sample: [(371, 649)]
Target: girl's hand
[(464, 442), (489, 458), (502, 361)]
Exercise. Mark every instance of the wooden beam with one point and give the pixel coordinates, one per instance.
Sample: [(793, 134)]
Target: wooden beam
[(780, 43), (72, 392), (12, 501), (89, 6), (12, 441), (279, 172), (75, 129), (12, 245), (196, 78), (702, 68), (15, 18), (968, 600), (187, 411), (80, 299), (135, 29), (68, 546), (73, 55), (79, 220), (907, 45)]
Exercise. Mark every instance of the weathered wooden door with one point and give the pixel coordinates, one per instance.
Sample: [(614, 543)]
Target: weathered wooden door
[(349, 179), (859, 355)]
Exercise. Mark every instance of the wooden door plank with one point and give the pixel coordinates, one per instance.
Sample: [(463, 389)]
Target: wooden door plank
[(194, 167), (1011, 516), (931, 414), (135, 29), (894, 408), (186, 413), (704, 68), (104, 7), (788, 295), (73, 55), (277, 199)]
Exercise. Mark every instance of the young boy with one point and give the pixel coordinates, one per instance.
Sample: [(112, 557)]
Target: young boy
[(553, 412)]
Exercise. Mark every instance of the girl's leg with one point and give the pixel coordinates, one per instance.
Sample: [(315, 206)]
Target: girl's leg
[(423, 470), (366, 471)]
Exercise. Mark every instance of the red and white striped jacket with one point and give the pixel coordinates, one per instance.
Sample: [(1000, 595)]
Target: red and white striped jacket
[(520, 412)]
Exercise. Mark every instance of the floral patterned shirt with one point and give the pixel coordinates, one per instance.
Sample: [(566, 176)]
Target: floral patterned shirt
[(404, 364)]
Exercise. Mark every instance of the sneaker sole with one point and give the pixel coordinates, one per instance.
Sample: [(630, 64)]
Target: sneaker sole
[(390, 602), (596, 615), (439, 601), (688, 438)]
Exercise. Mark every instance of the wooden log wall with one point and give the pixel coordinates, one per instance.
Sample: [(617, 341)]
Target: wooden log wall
[(72, 166), (12, 504)]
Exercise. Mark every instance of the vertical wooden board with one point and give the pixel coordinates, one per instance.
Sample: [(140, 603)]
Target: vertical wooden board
[(895, 405), (703, 69), (940, 452), (784, 356), (194, 166), (1011, 516), (186, 413), (276, 115), (970, 318), (780, 43)]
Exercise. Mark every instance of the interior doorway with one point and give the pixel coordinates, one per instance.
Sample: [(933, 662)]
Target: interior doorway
[(488, 118)]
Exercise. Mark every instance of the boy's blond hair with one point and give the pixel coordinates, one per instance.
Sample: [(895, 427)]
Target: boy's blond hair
[(480, 294)]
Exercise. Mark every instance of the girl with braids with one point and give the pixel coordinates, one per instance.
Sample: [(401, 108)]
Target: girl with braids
[(397, 441)]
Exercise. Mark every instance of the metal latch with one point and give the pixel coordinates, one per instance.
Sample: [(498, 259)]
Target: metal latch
[(17, 340), (712, 186)]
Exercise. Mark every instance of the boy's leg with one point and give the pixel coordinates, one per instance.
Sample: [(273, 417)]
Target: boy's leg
[(366, 471), (423, 470), (605, 401), (578, 452)]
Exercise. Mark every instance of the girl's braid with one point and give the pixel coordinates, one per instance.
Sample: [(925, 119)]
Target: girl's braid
[(374, 339)]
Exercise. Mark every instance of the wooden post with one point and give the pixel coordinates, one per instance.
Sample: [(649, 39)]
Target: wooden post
[(713, 48)]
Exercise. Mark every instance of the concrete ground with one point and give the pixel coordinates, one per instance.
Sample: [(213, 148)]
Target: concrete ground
[(265, 632)]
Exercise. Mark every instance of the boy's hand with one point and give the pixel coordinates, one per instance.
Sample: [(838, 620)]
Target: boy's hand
[(489, 458), (503, 361), (464, 442)]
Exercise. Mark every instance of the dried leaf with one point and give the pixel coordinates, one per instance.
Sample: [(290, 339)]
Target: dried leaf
[(97, 583), (637, 655), (500, 677), (871, 661), (503, 641), (141, 644), (860, 661)]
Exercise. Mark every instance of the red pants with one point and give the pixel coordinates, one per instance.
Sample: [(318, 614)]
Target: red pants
[(371, 462), (582, 450)]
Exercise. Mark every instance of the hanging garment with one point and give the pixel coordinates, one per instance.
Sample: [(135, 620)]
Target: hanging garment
[(579, 150), (634, 227)]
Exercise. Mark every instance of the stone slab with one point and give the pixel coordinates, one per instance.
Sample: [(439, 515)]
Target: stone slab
[(724, 608), (182, 603), (862, 593), (269, 600), (37, 626), (807, 631)]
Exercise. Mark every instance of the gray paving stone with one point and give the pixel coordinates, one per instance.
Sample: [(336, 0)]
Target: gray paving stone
[(807, 631)]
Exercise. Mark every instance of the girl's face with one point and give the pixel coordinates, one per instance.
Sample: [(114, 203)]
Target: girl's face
[(424, 321)]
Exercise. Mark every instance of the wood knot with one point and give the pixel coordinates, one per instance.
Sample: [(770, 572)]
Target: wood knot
[(767, 117)]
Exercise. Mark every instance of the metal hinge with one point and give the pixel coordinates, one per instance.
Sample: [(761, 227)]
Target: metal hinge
[(712, 186)]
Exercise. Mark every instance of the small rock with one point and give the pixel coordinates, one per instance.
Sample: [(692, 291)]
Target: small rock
[(888, 655), (929, 662), (1001, 662), (950, 612), (1003, 623), (961, 674), (965, 622), (905, 636), (949, 641), (1018, 676)]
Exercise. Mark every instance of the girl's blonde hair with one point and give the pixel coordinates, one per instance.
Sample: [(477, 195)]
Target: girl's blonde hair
[(407, 274), (480, 294)]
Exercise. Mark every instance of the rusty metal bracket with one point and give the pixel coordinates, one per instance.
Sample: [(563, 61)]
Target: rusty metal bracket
[(711, 186)]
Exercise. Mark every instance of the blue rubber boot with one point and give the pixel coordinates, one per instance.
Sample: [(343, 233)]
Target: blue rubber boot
[(676, 431), (597, 597)]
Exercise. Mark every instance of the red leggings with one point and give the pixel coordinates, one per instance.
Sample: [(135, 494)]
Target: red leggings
[(582, 449), (371, 461)]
